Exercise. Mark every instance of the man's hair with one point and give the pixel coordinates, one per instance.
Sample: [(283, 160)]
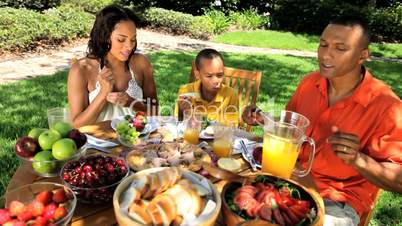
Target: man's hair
[(206, 54), (105, 22), (355, 20)]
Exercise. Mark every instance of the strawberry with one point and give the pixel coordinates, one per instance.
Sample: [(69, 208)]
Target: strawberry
[(49, 211), (25, 216), (14, 223), (138, 113), (40, 221), (59, 195), (139, 126), (4, 216), (16, 207), (59, 213), (44, 197), (36, 208)]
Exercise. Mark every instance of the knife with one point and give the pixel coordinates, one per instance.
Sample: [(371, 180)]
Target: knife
[(248, 156)]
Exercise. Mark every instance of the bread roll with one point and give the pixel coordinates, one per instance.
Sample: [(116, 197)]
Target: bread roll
[(139, 214), (165, 206)]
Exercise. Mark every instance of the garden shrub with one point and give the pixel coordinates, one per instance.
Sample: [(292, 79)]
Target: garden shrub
[(248, 20), (39, 5), (311, 16), (220, 21), (92, 6), (23, 28)]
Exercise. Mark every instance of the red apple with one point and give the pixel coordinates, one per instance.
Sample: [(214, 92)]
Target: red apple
[(26, 147)]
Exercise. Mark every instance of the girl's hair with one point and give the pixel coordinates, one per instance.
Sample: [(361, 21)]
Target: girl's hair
[(99, 43)]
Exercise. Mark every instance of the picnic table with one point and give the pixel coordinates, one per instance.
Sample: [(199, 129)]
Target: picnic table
[(103, 214)]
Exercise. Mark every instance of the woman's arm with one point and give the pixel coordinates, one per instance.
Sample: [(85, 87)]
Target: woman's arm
[(81, 112), (144, 69)]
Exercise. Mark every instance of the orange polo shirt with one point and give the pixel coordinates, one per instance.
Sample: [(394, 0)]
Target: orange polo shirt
[(373, 112)]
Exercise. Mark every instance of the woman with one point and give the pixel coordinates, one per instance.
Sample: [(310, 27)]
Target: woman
[(112, 80)]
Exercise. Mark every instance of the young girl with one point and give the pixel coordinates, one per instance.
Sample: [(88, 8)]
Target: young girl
[(112, 80)]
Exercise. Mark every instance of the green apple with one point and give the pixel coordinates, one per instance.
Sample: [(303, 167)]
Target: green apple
[(42, 162), (35, 132), (64, 149), (63, 128), (48, 138)]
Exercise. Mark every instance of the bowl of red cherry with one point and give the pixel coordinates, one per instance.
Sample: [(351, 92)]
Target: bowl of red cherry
[(94, 178)]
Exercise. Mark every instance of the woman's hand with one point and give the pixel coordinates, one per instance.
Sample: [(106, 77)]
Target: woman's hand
[(106, 80), (185, 102), (252, 116), (119, 98)]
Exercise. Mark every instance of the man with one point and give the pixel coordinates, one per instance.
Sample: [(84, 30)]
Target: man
[(356, 122)]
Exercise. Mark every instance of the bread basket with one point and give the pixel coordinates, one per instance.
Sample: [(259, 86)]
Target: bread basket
[(207, 219)]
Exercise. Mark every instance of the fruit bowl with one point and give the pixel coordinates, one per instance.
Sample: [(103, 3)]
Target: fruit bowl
[(38, 202), (48, 168), (272, 199), (94, 178)]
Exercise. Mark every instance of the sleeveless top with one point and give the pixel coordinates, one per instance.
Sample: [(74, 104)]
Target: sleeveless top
[(111, 111)]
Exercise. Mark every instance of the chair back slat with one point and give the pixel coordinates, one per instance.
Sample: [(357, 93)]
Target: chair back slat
[(239, 79)]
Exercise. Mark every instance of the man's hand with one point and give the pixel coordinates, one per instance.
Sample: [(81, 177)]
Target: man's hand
[(119, 98), (345, 145), (185, 102), (252, 115)]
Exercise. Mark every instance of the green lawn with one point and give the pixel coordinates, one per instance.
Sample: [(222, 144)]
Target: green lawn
[(288, 40), (23, 104)]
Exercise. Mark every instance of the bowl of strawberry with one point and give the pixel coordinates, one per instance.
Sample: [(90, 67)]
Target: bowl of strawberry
[(94, 178), (43, 203), (276, 201)]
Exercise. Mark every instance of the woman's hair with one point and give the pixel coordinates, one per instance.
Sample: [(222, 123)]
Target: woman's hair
[(99, 43)]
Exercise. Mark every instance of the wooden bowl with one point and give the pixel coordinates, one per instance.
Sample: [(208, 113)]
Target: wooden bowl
[(123, 220), (233, 219)]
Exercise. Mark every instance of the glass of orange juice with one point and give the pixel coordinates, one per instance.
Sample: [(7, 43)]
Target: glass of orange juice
[(223, 140), (231, 119), (192, 126), (282, 142)]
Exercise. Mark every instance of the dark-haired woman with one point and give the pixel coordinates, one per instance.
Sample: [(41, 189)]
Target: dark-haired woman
[(112, 80)]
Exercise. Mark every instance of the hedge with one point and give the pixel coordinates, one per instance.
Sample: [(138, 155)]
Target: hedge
[(22, 28)]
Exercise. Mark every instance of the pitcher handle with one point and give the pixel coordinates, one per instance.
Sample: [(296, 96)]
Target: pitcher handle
[(303, 173)]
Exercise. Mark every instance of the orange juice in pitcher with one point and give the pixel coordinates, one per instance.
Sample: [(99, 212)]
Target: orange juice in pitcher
[(279, 155), (191, 135), (283, 138)]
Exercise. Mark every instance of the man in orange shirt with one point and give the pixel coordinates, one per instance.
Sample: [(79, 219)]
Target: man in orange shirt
[(355, 120)]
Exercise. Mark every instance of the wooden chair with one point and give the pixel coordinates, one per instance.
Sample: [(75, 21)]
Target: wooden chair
[(247, 83), (366, 217)]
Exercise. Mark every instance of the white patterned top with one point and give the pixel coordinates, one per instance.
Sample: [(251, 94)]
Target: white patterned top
[(111, 111)]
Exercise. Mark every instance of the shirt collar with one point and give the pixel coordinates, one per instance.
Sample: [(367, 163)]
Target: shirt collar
[(219, 96), (361, 95)]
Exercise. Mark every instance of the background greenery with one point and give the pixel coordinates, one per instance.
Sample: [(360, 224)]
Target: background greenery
[(289, 40), (23, 104)]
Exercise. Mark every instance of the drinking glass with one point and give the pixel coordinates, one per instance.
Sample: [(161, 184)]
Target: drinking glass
[(192, 126), (223, 140), (58, 114)]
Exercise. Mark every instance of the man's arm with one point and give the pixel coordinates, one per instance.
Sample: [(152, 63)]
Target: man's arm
[(386, 175)]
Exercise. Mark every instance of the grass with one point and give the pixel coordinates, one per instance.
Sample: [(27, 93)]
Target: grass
[(23, 104), (288, 40)]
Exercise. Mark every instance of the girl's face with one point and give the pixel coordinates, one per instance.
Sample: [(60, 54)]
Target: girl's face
[(123, 40)]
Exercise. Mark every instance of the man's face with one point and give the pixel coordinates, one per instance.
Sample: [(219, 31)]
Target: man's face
[(341, 50), (211, 74), (123, 40)]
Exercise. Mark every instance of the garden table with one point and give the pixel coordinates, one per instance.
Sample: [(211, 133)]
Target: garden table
[(103, 214)]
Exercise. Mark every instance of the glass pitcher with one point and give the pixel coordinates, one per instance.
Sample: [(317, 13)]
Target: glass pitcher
[(283, 138)]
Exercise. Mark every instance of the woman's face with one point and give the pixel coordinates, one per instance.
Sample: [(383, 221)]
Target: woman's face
[(123, 40)]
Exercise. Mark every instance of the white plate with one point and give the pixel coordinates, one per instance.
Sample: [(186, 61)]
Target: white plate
[(206, 136), (150, 127)]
